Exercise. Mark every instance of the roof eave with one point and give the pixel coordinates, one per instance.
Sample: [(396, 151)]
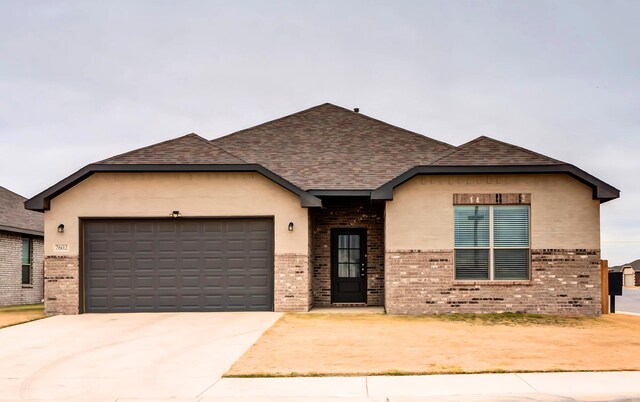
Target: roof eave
[(21, 231), (601, 190), (41, 202)]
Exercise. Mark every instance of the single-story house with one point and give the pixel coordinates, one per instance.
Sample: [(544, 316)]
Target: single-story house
[(630, 273), (21, 251), (324, 207)]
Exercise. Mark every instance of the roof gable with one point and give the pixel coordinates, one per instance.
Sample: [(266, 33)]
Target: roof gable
[(485, 151), (330, 147), (15, 218), (190, 149)]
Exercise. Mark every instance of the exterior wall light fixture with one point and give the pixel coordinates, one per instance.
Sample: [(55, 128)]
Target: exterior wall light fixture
[(290, 227), (60, 228), (175, 214)]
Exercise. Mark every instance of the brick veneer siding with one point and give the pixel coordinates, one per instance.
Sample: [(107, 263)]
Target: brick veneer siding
[(564, 282), (61, 285), (347, 213), (12, 291), (292, 283)]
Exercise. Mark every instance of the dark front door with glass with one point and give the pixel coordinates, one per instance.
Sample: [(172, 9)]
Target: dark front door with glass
[(348, 266)]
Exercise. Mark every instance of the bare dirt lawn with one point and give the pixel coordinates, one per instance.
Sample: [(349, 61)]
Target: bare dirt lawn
[(350, 344), (12, 315)]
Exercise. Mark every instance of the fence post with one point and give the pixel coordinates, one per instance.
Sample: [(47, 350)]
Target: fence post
[(604, 280)]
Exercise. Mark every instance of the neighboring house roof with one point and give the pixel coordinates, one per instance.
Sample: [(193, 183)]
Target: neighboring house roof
[(328, 147), (330, 150), (15, 218), (635, 265)]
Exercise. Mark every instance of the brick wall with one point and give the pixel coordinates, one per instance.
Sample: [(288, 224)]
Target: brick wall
[(61, 285), (563, 281), (12, 291), (347, 213), (292, 282)]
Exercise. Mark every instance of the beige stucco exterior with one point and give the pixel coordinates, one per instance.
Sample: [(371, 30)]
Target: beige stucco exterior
[(563, 213), (218, 194)]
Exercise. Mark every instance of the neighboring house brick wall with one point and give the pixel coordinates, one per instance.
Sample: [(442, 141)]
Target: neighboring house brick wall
[(12, 291), (347, 213), (564, 282)]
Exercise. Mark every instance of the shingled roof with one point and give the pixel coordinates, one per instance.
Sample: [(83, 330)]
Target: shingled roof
[(485, 151), (329, 147), (15, 218), (329, 150), (190, 149)]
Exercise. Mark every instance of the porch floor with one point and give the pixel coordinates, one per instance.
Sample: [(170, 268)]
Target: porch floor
[(349, 310)]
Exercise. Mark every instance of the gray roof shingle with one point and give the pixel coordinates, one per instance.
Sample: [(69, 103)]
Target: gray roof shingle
[(329, 147), (485, 151), (189, 149), (14, 217)]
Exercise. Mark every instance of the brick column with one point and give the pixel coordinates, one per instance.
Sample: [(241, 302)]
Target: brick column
[(292, 282), (61, 285)]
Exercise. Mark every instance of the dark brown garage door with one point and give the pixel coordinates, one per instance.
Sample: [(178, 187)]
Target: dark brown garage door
[(178, 265)]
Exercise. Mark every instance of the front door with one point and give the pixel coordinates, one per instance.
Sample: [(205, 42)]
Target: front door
[(348, 265)]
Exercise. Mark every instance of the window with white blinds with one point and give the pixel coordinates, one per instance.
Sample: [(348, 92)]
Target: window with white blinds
[(491, 242)]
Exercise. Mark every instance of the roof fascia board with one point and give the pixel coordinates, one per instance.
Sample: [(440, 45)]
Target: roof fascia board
[(41, 201), (21, 231), (601, 190)]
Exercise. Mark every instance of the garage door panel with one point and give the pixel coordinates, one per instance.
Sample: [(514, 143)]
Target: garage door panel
[(98, 246), (99, 264), (179, 265)]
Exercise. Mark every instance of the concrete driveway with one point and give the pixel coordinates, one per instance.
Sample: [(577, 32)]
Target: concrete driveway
[(629, 302), (109, 356)]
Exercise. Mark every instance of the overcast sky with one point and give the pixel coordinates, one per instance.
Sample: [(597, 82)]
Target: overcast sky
[(82, 81)]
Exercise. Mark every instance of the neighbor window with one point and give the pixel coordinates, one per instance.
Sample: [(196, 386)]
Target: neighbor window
[(491, 242), (27, 257)]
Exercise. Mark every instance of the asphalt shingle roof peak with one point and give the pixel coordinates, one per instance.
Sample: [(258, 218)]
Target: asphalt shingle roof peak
[(187, 149), (14, 215), (487, 151), (329, 147)]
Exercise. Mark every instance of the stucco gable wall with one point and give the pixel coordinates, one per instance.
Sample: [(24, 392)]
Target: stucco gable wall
[(214, 194), (563, 213)]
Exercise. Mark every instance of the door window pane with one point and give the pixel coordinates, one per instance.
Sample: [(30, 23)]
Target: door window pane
[(471, 226), (354, 241), (343, 256), (343, 241), (354, 256), (343, 270)]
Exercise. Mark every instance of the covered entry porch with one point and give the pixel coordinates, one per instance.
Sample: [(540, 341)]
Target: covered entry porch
[(347, 252)]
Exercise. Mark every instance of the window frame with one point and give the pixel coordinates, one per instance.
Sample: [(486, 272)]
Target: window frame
[(491, 248), (29, 265)]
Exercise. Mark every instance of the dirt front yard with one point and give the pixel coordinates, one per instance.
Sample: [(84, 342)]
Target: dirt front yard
[(12, 315), (346, 344)]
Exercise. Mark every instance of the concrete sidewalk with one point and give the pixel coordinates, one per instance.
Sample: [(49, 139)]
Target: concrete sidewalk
[(466, 387), (601, 386)]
